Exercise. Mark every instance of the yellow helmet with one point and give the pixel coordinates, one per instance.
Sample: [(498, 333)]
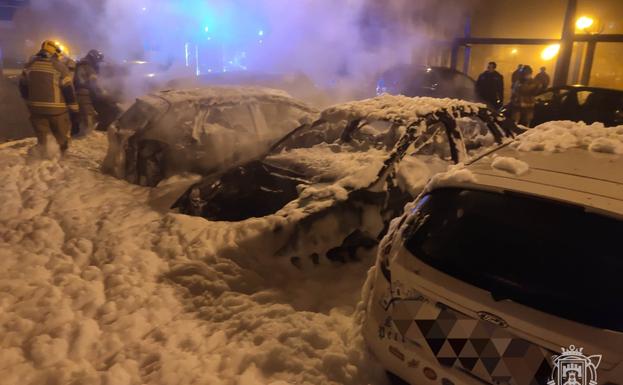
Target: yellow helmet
[(51, 47)]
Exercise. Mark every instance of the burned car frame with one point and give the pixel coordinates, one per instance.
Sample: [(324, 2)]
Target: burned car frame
[(357, 211), (199, 130)]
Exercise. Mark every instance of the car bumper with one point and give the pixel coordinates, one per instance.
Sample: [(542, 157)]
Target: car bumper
[(403, 358)]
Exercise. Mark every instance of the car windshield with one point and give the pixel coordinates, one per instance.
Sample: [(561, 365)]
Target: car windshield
[(550, 256), (355, 135)]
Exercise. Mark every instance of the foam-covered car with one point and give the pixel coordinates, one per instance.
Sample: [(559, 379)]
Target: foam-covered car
[(201, 131), (498, 266), (336, 182)]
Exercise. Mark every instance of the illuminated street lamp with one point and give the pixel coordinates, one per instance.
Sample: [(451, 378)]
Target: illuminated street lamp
[(584, 22), (550, 52)]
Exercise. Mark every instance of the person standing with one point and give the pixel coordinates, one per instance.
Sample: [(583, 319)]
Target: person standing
[(490, 86), (70, 63), (87, 87), (516, 75), (46, 86), (543, 79), (523, 97)]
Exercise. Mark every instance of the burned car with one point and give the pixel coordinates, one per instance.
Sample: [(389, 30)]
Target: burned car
[(199, 131), (335, 183)]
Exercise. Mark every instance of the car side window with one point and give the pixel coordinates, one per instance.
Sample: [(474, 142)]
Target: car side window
[(569, 101), (313, 134), (378, 134), (583, 96), (476, 134), (280, 118), (433, 142), (554, 97), (238, 118), (545, 97)]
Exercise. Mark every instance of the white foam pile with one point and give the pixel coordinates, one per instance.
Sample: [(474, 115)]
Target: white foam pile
[(396, 107), (510, 165), (98, 288), (561, 135)]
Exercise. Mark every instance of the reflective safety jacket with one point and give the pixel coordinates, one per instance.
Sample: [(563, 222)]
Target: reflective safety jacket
[(46, 85), (86, 80)]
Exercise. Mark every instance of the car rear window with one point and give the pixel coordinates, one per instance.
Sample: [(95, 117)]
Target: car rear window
[(547, 255)]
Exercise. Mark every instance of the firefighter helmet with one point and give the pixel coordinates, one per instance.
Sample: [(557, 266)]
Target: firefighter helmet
[(95, 56), (51, 47)]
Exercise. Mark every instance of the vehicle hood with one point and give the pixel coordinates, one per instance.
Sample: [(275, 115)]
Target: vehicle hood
[(332, 163)]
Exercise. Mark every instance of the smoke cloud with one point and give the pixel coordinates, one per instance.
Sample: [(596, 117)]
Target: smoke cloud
[(339, 44)]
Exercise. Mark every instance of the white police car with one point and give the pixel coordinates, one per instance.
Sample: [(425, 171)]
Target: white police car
[(500, 265)]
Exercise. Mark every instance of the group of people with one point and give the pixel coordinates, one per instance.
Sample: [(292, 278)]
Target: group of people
[(60, 93), (524, 88)]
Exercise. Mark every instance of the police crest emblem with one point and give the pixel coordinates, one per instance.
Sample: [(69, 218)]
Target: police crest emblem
[(572, 367)]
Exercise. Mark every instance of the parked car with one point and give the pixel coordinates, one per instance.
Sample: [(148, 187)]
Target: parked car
[(341, 178), (578, 103), (489, 275), (296, 84), (200, 131), (437, 82)]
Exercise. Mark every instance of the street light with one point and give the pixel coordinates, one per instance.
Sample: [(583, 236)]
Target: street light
[(550, 52), (584, 22)]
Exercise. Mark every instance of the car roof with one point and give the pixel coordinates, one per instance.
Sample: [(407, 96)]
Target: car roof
[(220, 95), (584, 88), (589, 176), (395, 108), (404, 72)]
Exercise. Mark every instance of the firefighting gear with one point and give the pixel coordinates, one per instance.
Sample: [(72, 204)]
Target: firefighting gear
[(95, 58), (46, 85), (87, 87), (51, 47), (69, 63), (48, 90), (75, 123), (97, 107), (58, 126)]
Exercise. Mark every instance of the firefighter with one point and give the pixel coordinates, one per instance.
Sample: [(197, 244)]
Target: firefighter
[(87, 88), (70, 63), (47, 88), (63, 57), (523, 97)]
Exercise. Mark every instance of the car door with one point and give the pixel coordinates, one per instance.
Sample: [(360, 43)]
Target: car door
[(548, 106)]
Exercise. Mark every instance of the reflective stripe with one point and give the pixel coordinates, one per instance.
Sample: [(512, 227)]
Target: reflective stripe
[(73, 107), (46, 67), (46, 104), (46, 77), (47, 71), (67, 80), (57, 89)]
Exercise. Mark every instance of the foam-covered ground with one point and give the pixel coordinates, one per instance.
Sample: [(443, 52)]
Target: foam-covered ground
[(96, 287)]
